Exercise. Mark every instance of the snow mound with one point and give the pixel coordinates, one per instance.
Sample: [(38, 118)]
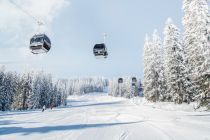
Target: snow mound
[(168, 106)]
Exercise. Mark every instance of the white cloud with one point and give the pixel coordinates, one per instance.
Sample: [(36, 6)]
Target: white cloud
[(13, 17)]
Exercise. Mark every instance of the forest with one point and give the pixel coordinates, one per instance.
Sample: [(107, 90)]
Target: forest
[(33, 90), (177, 69)]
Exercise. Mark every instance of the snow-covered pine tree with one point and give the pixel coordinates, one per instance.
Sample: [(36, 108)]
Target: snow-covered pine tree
[(2, 95), (71, 87), (196, 43), (58, 93), (27, 88), (55, 98), (7, 89), (22, 92), (62, 87), (113, 89), (151, 67), (45, 90), (126, 88), (159, 67), (174, 63), (204, 78), (34, 96), (148, 72), (157, 62), (49, 89)]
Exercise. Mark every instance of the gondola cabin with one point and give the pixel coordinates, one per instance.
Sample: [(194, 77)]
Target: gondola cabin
[(134, 80), (120, 80), (40, 44), (100, 51)]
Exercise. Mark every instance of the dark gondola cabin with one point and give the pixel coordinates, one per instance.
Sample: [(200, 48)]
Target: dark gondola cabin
[(40, 44), (134, 80), (120, 80), (100, 51)]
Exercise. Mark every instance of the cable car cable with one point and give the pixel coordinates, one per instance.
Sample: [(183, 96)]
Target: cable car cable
[(104, 35), (27, 13)]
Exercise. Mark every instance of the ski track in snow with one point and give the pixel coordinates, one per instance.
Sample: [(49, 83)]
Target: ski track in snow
[(98, 116), (123, 136)]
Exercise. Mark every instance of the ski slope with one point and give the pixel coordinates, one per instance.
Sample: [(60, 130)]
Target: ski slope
[(100, 117)]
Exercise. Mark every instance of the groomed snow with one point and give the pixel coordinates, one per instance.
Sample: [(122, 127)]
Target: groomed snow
[(101, 117)]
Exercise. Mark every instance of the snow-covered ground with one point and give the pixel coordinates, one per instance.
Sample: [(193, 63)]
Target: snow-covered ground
[(100, 117)]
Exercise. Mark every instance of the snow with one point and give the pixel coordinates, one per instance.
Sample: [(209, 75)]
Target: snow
[(98, 116), (169, 106)]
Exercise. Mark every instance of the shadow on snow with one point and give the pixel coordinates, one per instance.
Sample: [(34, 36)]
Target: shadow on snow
[(10, 122), (200, 115), (47, 129), (96, 104), (11, 113)]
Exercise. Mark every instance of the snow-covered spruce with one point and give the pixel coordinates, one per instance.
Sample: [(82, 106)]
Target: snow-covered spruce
[(148, 72), (195, 21), (154, 81), (175, 69)]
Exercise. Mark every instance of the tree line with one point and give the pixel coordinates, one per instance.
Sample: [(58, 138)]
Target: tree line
[(33, 90), (30, 90), (178, 69), (81, 86)]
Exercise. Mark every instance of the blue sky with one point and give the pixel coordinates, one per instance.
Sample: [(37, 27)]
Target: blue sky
[(76, 25)]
